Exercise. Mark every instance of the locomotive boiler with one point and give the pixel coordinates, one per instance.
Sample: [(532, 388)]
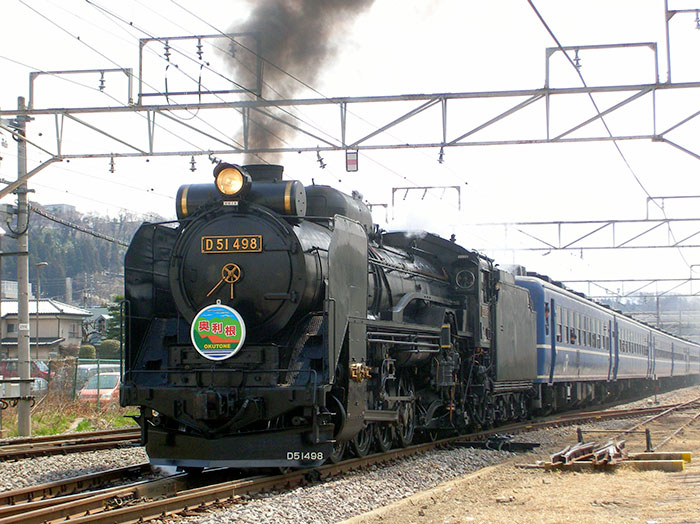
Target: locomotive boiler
[(273, 324)]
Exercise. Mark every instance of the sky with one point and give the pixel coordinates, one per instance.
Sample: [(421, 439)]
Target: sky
[(388, 47)]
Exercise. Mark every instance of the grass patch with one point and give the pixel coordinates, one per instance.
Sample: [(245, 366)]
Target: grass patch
[(54, 415)]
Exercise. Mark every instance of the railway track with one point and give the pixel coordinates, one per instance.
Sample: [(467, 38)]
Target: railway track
[(68, 443), (145, 500)]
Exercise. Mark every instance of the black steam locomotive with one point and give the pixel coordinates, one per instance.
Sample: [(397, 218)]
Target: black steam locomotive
[(274, 325)]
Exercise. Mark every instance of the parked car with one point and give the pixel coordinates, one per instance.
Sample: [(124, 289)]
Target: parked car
[(39, 371), (9, 368), (108, 384), (86, 371)]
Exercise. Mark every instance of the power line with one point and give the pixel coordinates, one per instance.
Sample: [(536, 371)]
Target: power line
[(185, 55), (602, 119), (308, 86), (113, 62), (77, 227)]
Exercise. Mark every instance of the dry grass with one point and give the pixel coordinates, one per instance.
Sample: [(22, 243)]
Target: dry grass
[(55, 415)]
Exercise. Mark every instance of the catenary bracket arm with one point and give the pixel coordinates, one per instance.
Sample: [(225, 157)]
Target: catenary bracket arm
[(14, 185)]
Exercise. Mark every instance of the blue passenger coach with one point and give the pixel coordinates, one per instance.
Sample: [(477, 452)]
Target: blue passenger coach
[(587, 351)]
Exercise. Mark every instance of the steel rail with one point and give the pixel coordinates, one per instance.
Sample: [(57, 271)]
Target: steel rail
[(679, 430), (73, 444), (662, 414), (70, 486), (102, 507), (66, 436), (113, 442), (82, 504)]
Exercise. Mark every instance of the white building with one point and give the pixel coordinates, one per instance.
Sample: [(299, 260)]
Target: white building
[(60, 325)]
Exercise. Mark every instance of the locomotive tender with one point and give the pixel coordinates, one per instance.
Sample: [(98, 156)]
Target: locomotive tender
[(274, 325)]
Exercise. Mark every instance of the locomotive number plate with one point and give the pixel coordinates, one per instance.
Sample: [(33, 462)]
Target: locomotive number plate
[(232, 244)]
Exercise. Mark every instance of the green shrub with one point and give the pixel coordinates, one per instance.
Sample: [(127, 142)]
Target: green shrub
[(109, 349), (87, 351)]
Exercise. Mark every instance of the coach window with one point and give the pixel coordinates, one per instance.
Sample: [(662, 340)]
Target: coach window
[(622, 341), (606, 343), (621, 337), (559, 323), (579, 329), (572, 327), (546, 319), (596, 333)]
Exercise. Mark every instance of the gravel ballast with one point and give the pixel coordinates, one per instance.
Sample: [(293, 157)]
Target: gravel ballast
[(40, 470)]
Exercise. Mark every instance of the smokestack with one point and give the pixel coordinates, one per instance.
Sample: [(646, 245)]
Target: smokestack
[(298, 38), (69, 290)]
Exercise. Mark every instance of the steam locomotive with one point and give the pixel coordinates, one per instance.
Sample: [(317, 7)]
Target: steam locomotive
[(273, 325)]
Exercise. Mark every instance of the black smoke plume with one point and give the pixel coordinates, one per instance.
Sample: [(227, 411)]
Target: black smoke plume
[(298, 38)]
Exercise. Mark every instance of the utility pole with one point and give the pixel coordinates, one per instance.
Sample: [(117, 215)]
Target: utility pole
[(24, 423)]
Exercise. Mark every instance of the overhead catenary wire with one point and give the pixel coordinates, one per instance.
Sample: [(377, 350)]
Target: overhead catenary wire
[(218, 31), (306, 85), (174, 48), (77, 227), (82, 41), (605, 124)]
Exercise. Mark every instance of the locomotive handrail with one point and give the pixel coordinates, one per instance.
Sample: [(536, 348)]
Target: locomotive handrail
[(404, 342), (400, 334), (422, 274)]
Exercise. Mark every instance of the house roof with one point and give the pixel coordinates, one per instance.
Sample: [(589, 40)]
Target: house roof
[(97, 313), (47, 306)]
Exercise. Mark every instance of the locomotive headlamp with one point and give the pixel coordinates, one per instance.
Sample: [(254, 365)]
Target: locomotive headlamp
[(231, 180)]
